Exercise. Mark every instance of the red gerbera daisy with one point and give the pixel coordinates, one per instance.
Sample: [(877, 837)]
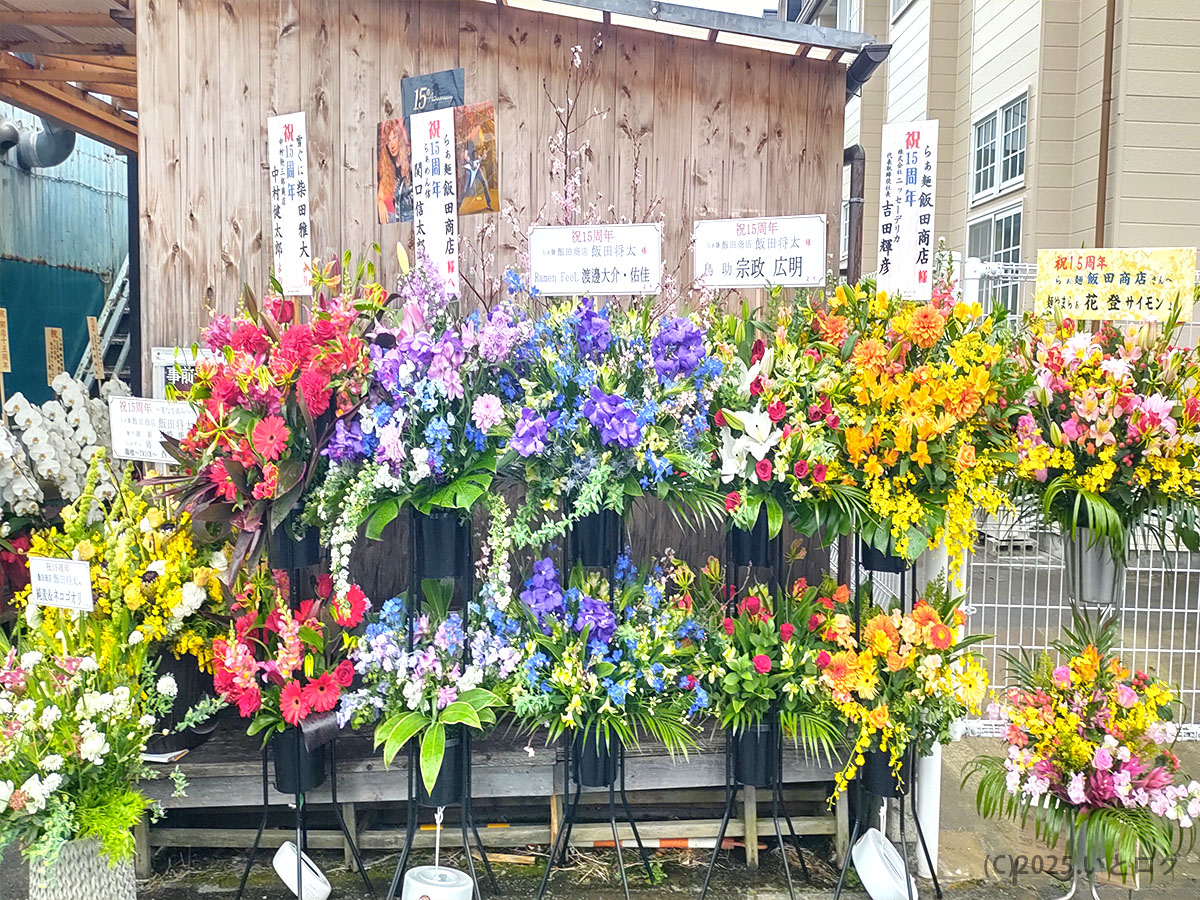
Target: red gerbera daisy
[(348, 611), (293, 705), (322, 694), (271, 437), (941, 637)]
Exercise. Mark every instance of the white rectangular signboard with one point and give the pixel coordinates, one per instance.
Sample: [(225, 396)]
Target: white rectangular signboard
[(788, 251), (907, 199), (138, 425), (435, 189), (291, 239), (64, 583), (570, 260)]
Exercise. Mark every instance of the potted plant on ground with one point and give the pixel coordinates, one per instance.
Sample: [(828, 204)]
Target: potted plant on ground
[(760, 671), (901, 683), (427, 682), (1109, 444), (1088, 755), (75, 716), (266, 406), (605, 664), (282, 666)]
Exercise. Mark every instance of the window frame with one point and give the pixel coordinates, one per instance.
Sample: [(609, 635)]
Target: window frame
[(992, 217), (899, 8), (998, 186), (844, 240)]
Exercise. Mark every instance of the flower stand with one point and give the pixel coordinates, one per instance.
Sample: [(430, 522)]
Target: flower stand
[(82, 872), (754, 759), (876, 778), (439, 546), (1095, 578), (300, 756)]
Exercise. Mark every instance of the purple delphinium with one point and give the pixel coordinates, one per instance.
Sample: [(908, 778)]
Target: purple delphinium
[(529, 435), (592, 331), (543, 594), (678, 348), (600, 616), (346, 445), (616, 422)]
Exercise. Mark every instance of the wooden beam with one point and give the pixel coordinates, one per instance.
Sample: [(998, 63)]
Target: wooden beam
[(57, 19), (126, 91), (120, 63), (43, 99), (66, 48), (66, 74)]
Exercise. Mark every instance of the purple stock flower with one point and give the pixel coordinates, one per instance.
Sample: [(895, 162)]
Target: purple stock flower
[(443, 367), (543, 594), (529, 435), (497, 337), (678, 348), (600, 616), (346, 445), (418, 348), (592, 331), (614, 419)]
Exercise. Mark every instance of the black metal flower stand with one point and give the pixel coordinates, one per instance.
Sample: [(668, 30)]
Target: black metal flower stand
[(873, 561), (322, 738), (754, 758), (439, 546), (591, 759)]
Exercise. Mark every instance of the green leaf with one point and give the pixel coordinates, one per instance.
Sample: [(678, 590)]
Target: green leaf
[(774, 515), (402, 728), (312, 638), (380, 516), (460, 713), (479, 698), (433, 749)]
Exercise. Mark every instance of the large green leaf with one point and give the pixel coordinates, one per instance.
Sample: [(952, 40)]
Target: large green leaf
[(460, 713), (397, 731), (433, 749), (380, 515), (479, 698)]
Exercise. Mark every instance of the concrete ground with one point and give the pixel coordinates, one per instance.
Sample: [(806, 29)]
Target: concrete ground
[(979, 860)]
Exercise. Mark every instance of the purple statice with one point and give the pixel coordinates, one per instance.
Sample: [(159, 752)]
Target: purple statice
[(529, 435), (346, 445), (678, 348), (616, 422), (599, 615), (591, 331), (543, 594)]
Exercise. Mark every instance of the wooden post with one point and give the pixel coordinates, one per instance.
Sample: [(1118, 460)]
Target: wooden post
[(556, 815), (750, 818), (143, 857), (841, 837), (351, 820)]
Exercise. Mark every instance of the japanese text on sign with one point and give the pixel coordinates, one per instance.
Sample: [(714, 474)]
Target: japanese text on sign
[(175, 366), (93, 327), (1116, 284), (571, 260), (435, 193), (63, 583), (138, 425), (287, 152), (55, 363), (5, 355), (788, 251), (907, 197)]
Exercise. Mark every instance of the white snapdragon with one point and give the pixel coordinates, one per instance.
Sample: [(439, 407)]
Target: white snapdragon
[(135, 638), (50, 715), (30, 658)]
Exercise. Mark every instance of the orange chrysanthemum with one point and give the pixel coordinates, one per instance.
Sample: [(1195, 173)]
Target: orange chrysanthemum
[(833, 328), (870, 354), (927, 326)]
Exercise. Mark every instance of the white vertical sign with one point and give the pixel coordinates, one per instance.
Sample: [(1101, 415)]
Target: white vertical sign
[(62, 583), (287, 152), (907, 198), (435, 200)]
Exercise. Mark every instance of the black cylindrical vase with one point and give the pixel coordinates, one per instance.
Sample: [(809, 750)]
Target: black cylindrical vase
[(595, 757), (289, 554), (442, 544), (757, 754), (753, 547), (881, 561), (192, 686), (297, 770), (596, 540), (448, 786), (878, 777)]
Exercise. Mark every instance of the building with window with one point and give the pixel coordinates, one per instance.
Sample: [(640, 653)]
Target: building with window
[(1017, 86)]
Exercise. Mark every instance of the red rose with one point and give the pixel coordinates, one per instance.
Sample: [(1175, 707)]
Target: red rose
[(344, 673), (249, 702), (732, 501), (762, 664), (763, 469), (728, 625), (776, 410), (814, 621), (756, 386), (323, 330), (751, 605), (786, 630), (800, 469), (823, 658), (757, 350), (719, 418), (324, 585), (818, 472)]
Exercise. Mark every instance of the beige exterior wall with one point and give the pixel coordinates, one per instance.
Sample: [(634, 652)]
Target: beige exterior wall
[(908, 65)]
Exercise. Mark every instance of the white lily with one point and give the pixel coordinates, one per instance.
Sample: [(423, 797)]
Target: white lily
[(760, 433), (733, 456)]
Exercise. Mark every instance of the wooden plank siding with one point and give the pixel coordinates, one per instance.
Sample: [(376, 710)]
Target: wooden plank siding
[(724, 131)]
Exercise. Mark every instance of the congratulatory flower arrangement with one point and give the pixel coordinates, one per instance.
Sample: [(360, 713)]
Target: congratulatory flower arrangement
[(609, 405), (418, 686), (604, 663), (1112, 432), (922, 398), (1089, 747)]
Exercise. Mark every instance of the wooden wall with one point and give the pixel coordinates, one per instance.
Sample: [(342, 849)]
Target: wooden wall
[(724, 131)]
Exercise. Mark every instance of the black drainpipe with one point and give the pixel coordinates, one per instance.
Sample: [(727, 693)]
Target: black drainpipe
[(856, 158)]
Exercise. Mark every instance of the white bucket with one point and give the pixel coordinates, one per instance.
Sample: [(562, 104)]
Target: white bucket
[(437, 883), (880, 867), (316, 885)]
